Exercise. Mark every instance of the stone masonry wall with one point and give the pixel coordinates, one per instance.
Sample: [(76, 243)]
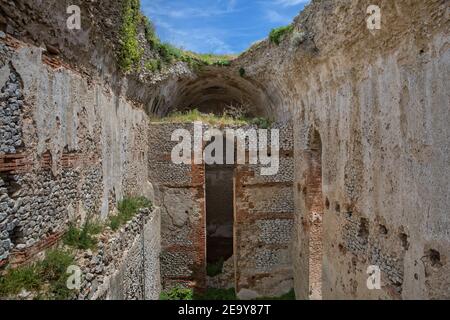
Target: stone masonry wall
[(264, 225), (180, 192), (69, 148), (126, 266)]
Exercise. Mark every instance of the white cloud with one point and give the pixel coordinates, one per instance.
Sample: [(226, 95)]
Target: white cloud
[(275, 17), (288, 3), (183, 10), (208, 40)]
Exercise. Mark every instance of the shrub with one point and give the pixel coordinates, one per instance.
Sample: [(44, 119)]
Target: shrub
[(130, 52), (82, 238), (169, 53), (214, 269), (277, 35), (153, 65), (48, 275), (150, 33), (242, 72), (261, 123), (53, 270), (222, 63), (17, 279), (195, 115), (177, 293), (128, 208), (234, 115)]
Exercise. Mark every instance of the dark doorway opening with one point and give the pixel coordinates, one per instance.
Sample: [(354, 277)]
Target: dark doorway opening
[(219, 213), (219, 192)]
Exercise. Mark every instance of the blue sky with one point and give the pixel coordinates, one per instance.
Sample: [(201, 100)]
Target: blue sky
[(218, 26)]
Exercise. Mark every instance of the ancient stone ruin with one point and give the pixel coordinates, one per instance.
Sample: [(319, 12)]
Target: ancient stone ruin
[(364, 160)]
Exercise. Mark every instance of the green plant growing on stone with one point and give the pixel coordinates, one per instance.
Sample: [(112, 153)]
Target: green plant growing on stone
[(153, 65), (262, 123), (195, 115), (130, 52), (228, 118), (47, 278), (53, 269), (278, 34), (82, 238), (242, 72), (214, 269), (177, 293), (15, 280), (150, 34), (128, 208)]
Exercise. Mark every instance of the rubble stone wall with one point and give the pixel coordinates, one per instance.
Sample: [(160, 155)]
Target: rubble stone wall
[(70, 148), (180, 192), (264, 212), (126, 266)]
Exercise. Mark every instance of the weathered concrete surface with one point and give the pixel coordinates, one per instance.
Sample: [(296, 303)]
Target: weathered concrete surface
[(380, 102), (69, 113), (82, 149)]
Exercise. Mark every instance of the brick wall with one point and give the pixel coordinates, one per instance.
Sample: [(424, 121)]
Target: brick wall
[(263, 226), (180, 192)]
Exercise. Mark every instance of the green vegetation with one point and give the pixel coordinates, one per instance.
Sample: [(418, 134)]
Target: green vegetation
[(53, 270), (130, 52), (170, 54), (278, 34), (261, 123), (128, 208), (213, 119), (177, 293), (47, 278), (82, 238), (216, 294), (242, 72), (195, 115), (17, 279), (214, 269), (153, 65)]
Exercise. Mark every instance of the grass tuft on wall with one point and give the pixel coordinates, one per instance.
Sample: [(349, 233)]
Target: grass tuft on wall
[(128, 208), (46, 278), (277, 35)]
